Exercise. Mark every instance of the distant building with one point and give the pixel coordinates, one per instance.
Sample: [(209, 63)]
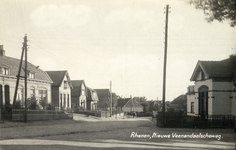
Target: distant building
[(179, 103), (129, 105), (38, 81), (104, 99), (79, 94), (61, 89), (92, 99), (214, 90)]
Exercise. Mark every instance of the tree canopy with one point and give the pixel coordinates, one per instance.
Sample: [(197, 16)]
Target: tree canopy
[(220, 10)]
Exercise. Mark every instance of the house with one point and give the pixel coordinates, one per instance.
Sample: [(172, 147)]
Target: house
[(214, 89), (79, 94), (179, 103), (61, 89), (129, 105), (92, 99), (104, 99), (38, 81)]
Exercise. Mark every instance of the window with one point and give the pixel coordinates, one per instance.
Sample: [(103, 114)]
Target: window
[(31, 75), (5, 71), (65, 84), (32, 92), (64, 100), (42, 94), (192, 107), (83, 93), (20, 94), (68, 100)]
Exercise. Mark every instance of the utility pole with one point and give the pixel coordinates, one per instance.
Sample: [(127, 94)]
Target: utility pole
[(26, 72), (18, 75), (24, 50), (111, 98), (164, 70)]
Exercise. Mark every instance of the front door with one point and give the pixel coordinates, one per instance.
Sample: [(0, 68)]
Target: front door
[(203, 100), (203, 103)]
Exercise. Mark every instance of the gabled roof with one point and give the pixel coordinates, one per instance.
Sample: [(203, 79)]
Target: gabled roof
[(103, 94), (215, 69), (182, 99), (90, 94), (77, 84), (13, 65), (129, 104), (122, 102), (58, 76)]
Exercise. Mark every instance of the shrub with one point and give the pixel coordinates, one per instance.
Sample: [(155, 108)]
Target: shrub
[(50, 106), (43, 102), (18, 105), (32, 103)]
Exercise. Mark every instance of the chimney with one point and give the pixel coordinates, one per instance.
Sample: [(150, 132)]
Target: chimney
[(2, 52)]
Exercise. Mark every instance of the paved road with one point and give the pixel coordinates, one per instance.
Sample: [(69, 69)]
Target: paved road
[(111, 134)]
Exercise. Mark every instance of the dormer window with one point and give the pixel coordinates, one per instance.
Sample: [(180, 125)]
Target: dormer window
[(65, 84), (31, 75), (5, 71)]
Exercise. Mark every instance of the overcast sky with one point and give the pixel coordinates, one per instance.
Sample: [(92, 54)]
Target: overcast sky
[(115, 40)]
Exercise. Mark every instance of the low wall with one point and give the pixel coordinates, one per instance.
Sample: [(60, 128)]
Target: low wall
[(33, 115)]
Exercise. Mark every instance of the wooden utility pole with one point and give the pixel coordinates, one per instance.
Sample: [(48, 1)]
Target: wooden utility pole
[(164, 70), (26, 72), (24, 50), (18, 75), (110, 99)]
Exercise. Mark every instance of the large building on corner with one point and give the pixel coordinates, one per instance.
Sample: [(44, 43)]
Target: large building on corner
[(38, 81), (214, 89)]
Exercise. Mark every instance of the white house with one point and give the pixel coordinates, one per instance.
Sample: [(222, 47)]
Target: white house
[(214, 89), (61, 89)]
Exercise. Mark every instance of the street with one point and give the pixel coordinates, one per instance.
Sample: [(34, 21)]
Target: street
[(123, 134)]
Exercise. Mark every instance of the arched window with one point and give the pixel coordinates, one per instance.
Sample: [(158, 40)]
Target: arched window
[(7, 94)]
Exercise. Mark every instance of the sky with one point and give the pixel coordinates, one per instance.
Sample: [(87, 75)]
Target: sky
[(121, 41)]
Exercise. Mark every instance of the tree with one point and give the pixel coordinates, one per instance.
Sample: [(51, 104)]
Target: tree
[(140, 99), (145, 106), (220, 10)]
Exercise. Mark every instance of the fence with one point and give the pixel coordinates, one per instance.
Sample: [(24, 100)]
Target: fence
[(18, 115), (209, 121)]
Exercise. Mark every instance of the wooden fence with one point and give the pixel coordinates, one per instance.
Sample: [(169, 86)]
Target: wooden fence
[(209, 121), (18, 115)]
